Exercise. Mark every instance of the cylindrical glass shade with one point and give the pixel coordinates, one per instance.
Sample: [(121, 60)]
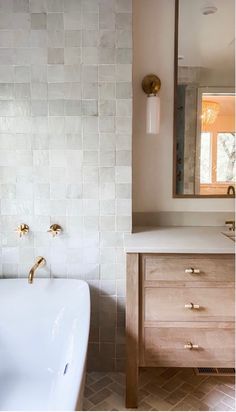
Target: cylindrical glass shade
[(153, 115)]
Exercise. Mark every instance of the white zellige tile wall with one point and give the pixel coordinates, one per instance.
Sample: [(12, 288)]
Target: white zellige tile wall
[(65, 150)]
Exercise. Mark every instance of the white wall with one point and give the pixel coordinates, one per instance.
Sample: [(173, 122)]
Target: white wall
[(153, 27)]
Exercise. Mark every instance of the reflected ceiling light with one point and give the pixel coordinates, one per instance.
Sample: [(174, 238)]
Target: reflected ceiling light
[(210, 111), (209, 10), (151, 85)]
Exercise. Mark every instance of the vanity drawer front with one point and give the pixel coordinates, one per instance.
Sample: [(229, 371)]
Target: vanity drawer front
[(168, 346), (173, 268), (168, 304)]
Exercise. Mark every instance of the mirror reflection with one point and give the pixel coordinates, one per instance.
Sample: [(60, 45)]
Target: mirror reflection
[(205, 161)]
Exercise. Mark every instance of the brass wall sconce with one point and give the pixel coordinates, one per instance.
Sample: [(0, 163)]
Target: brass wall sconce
[(55, 229), (22, 230), (151, 85)]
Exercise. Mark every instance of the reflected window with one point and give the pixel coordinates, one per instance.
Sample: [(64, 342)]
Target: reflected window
[(225, 157), (206, 162), (217, 166)]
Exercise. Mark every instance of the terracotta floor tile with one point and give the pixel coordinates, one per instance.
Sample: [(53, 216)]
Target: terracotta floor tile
[(144, 407), (87, 405), (206, 386), (198, 393), (170, 372), (227, 390), (172, 384), (161, 389), (156, 390), (103, 406), (117, 401), (88, 392), (158, 403), (117, 377), (222, 407), (227, 380), (142, 394), (229, 401), (89, 379), (100, 396), (213, 398), (182, 406), (186, 387), (196, 404), (94, 376), (117, 388), (175, 397), (101, 383)]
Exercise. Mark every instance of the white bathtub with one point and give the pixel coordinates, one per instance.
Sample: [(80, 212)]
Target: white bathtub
[(44, 330)]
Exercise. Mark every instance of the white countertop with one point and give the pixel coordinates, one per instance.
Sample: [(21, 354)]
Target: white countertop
[(178, 240)]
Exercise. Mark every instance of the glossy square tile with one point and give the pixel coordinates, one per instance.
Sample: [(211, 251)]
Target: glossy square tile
[(65, 142)]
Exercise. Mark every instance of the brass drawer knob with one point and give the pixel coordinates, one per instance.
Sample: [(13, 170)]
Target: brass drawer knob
[(190, 346), (192, 271), (191, 306)]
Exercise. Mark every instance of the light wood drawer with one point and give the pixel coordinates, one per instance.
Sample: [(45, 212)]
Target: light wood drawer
[(165, 346), (173, 267), (168, 304)]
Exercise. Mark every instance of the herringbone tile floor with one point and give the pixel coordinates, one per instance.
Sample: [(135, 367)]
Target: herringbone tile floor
[(161, 389)]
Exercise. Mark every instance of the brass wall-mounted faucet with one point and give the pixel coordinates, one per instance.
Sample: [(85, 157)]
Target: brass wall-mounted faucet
[(40, 262)]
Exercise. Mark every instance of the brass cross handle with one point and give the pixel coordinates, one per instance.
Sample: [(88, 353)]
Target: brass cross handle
[(55, 230), (22, 230)]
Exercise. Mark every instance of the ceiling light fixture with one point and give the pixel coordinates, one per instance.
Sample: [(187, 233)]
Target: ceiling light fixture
[(210, 111)]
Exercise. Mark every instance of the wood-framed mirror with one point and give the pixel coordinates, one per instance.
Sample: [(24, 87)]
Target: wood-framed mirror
[(204, 160)]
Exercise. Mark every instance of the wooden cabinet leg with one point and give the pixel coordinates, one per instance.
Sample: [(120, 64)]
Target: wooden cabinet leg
[(132, 330), (132, 384)]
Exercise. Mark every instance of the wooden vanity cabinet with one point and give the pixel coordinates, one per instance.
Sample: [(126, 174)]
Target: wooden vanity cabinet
[(179, 313)]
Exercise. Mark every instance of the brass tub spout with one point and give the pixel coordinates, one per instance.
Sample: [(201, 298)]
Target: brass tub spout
[(40, 262)]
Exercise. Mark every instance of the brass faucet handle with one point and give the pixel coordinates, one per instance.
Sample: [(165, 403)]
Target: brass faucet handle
[(231, 225), (55, 230), (22, 230)]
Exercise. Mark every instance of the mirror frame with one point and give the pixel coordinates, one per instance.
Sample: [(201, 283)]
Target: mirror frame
[(174, 193)]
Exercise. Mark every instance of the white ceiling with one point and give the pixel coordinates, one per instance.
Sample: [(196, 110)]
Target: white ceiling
[(207, 41)]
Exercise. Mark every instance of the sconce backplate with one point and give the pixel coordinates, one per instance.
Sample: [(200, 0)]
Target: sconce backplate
[(151, 84)]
